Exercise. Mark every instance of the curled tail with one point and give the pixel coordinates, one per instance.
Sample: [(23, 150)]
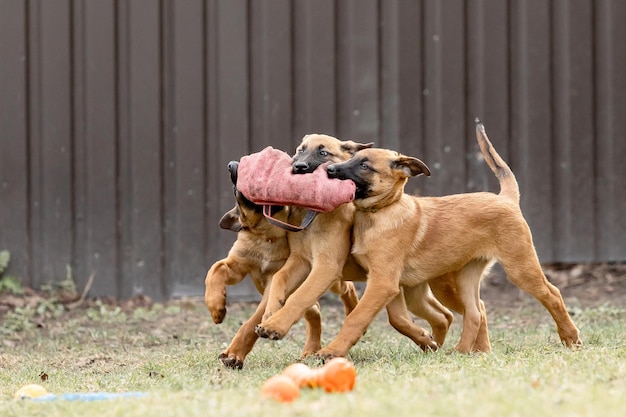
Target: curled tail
[(508, 183)]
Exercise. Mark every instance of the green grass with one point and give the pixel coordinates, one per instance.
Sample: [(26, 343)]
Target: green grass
[(170, 353)]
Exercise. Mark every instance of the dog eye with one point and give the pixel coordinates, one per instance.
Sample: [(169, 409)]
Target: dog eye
[(323, 152), (363, 166)]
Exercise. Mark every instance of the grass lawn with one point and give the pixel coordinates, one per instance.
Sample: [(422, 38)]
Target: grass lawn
[(169, 352)]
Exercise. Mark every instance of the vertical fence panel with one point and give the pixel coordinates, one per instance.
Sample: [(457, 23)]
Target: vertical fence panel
[(14, 166), (228, 66), (487, 87), (410, 79), (357, 61), (531, 122), (401, 77), (141, 228), (610, 129), (573, 130), (95, 156), (271, 70), (51, 140), (444, 96), (185, 144), (314, 68), (231, 66)]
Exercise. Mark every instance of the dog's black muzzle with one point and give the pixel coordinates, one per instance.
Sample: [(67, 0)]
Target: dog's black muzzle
[(304, 167), (233, 166), (335, 171)]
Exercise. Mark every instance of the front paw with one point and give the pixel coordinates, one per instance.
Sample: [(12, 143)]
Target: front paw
[(217, 310), (268, 333), (218, 315), (327, 354), (231, 360), (216, 303), (427, 343)]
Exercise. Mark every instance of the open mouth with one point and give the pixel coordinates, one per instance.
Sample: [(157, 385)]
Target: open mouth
[(361, 191)]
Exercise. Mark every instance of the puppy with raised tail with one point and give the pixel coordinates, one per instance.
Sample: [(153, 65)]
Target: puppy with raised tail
[(403, 240), (320, 256)]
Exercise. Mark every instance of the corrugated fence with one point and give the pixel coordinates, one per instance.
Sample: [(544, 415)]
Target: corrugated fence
[(117, 119)]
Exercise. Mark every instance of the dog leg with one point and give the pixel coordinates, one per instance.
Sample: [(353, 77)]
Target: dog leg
[(523, 270), (244, 339), (322, 276), (222, 273), (421, 302), (400, 320), (347, 293), (482, 344), (324, 272), (284, 282), (380, 290), (313, 317), (468, 283), (445, 290), (313, 327)]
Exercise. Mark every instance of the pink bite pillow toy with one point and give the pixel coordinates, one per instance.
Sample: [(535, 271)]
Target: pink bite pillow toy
[(266, 178)]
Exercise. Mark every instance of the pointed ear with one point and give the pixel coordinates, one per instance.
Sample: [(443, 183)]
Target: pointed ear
[(411, 167), (353, 147)]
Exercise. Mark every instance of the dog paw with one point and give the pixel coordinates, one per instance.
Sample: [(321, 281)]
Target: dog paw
[(571, 338), (573, 344), (231, 361), (216, 303), (267, 333), (307, 354), (218, 315), (325, 355), (310, 348), (428, 344)]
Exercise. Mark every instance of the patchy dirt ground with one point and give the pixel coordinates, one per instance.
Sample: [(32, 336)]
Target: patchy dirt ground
[(582, 286)]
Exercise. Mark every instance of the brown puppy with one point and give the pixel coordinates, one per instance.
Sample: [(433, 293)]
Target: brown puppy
[(319, 253), (322, 249), (404, 240), (259, 251)]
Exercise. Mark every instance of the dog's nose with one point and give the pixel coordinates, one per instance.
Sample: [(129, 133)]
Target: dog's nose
[(232, 168), (331, 170), (300, 167)]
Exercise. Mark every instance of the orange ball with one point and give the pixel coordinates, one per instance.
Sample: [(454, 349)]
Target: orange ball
[(337, 375), (280, 388), (301, 375)]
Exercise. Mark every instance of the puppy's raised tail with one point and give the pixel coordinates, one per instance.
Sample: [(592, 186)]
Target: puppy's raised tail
[(508, 183)]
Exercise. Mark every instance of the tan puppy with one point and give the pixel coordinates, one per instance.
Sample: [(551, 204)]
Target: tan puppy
[(404, 241), (259, 251), (320, 255)]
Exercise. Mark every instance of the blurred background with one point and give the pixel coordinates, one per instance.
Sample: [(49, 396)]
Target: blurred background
[(117, 119)]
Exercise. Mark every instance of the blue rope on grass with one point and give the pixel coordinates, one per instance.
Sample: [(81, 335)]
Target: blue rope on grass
[(89, 396)]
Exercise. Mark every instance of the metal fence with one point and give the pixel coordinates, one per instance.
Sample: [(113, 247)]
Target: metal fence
[(117, 119)]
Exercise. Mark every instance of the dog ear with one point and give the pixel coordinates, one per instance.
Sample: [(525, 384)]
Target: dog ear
[(411, 167), (353, 147), (230, 220)]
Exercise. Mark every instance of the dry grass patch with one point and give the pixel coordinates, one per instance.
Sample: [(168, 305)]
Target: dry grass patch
[(169, 352)]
